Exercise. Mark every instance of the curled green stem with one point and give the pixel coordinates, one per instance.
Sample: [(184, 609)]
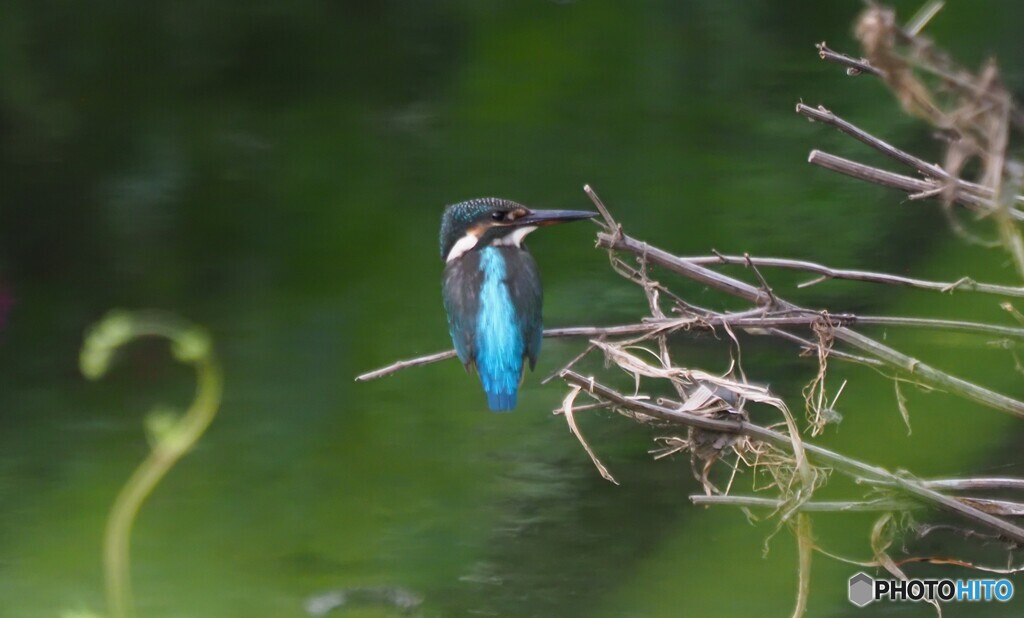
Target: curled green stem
[(189, 345)]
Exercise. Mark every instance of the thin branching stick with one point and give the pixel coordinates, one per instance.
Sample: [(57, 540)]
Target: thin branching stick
[(969, 484), (711, 321), (822, 115), (854, 66), (898, 360), (809, 347), (882, 505), (966, 284), (916, 187), (403, 364), (929, 170), (837, 461), (951, 76)]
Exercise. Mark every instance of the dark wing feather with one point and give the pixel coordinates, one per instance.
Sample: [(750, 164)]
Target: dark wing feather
[(523, 280), (460, 289)]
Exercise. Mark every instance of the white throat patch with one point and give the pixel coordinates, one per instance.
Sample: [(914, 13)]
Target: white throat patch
[(469, 241), (463, 245), (515, 239)]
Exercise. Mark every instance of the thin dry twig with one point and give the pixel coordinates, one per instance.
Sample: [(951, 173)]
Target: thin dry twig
[(901, 403), (842, 463), (854, 66), (882, 535), (751, 323), (895, 359), (974, 112), (567, 411), (805, 551), (964, 283), (928, 170), (884, 505), (913, 186), (403, 364), (966, 484), (815, 393)]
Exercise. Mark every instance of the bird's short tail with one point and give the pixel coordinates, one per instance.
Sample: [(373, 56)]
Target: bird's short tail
[(500, 378), (501, 402)]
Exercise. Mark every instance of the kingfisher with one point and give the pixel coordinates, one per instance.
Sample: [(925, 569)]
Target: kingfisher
[(492, 292)]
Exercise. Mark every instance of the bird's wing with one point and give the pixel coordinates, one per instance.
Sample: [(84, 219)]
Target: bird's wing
[(528, 297), (460, 290)]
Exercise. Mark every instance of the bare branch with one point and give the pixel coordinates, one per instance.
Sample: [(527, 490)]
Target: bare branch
[(809, 347), (914, 186), (854, 66), (968, 484), (965, 283), (567, 410), (996, 507), (929, 170), (820, 114), (877, 505), (954, 325), (896, 359), (837, 461), (607, 216), (740, 321), (402, 364)]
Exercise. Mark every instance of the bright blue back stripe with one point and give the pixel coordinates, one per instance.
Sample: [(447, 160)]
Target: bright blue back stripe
[(499, 344)]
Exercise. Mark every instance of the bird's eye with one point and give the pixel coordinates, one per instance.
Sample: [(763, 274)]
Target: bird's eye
[(498, 216)]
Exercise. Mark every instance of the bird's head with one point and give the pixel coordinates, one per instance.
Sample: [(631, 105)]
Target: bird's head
[(484, 221)]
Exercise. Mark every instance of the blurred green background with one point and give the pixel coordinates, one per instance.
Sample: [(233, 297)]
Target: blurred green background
[(276, 172)]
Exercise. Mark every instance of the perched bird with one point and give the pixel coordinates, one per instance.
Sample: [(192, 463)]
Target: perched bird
[(492, 290)]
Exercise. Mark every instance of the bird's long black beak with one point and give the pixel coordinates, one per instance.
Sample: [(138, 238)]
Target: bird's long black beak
[(552, 217)]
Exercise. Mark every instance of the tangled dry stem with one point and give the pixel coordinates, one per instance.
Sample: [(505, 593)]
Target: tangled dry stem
[(974, 112), (793, 481)]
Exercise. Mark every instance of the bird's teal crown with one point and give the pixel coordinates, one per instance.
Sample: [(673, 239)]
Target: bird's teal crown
[(457, 218)]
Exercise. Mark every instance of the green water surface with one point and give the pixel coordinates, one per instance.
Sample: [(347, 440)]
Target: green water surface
[(276, 172)]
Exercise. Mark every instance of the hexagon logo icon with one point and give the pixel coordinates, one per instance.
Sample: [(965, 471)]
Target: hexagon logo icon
[(861, 589)]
